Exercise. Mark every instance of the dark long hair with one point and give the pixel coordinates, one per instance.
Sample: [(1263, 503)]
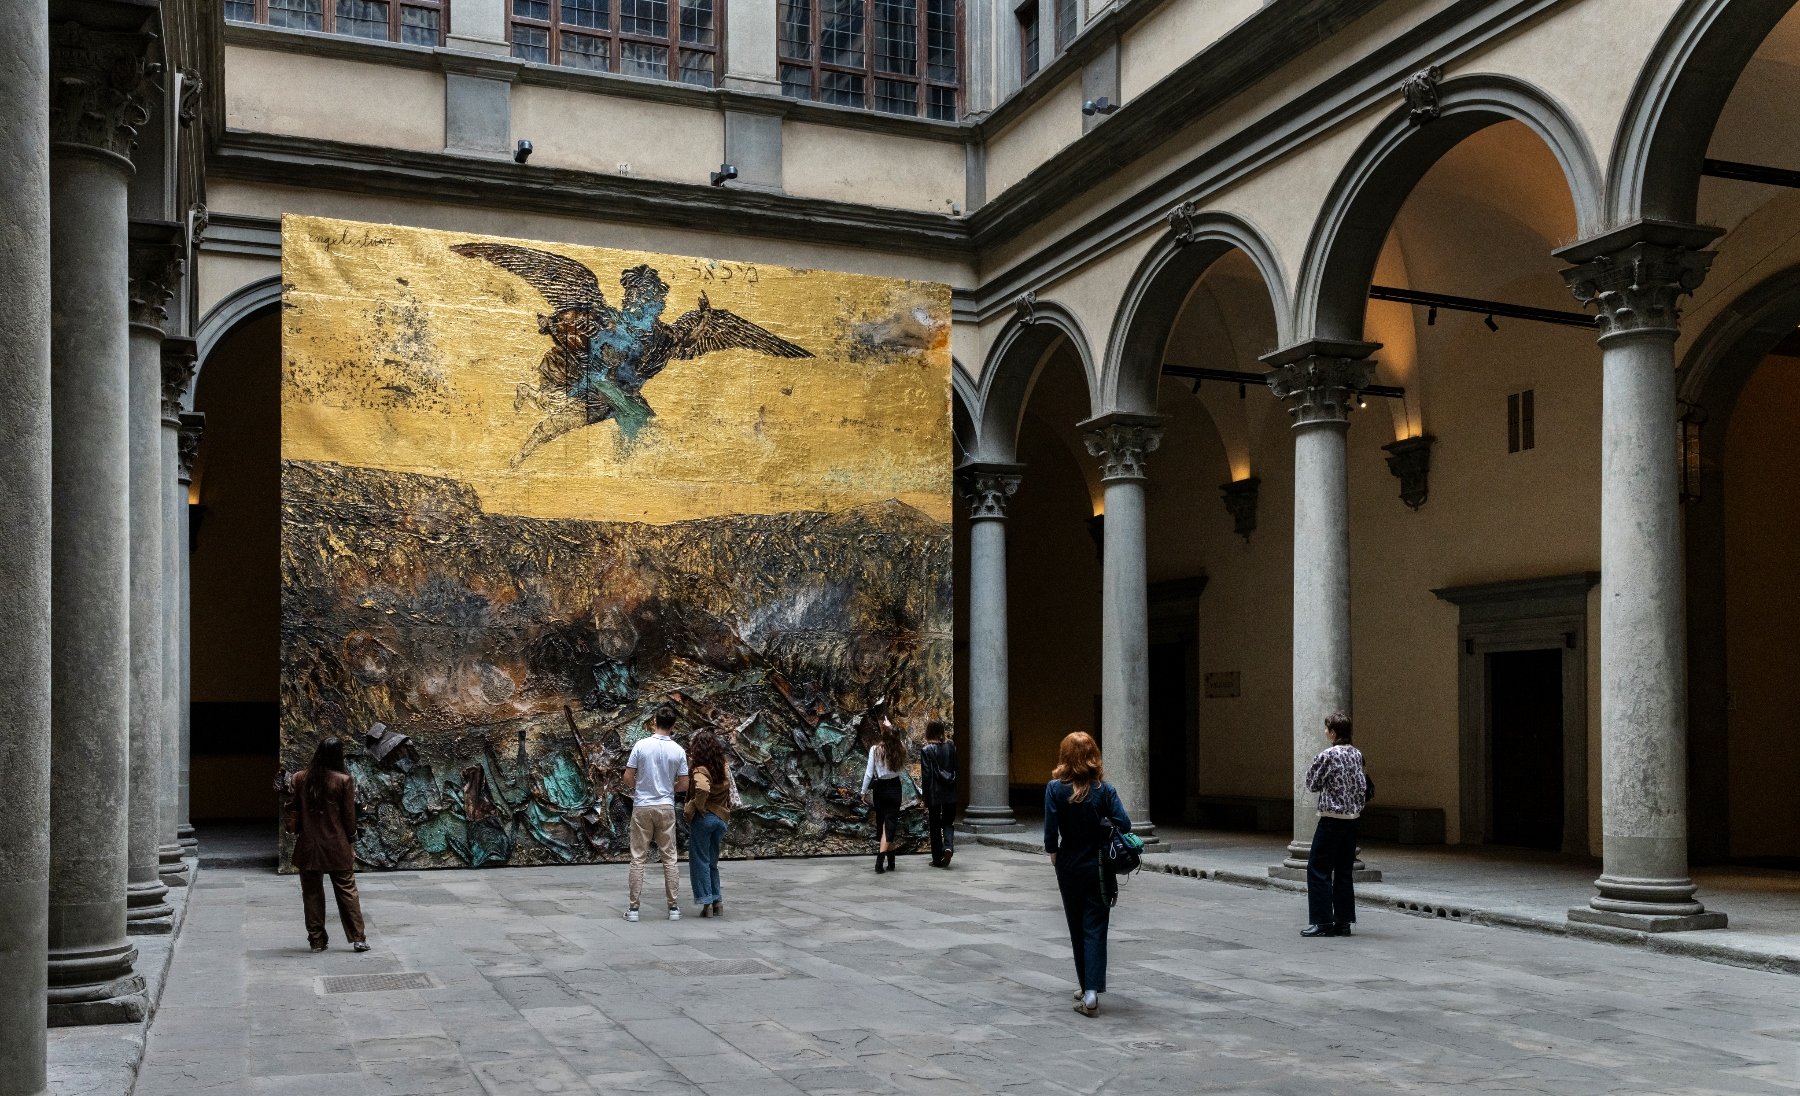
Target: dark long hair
[(327, 758), (893, 747), (705, 751)]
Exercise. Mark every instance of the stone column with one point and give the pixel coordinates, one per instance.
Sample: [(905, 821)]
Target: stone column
[(99, 82), (156, 261), (1121, 442), (25, 549), (177, 366), (1635, 276), (193, 424), (1319, 380), (988, 488)]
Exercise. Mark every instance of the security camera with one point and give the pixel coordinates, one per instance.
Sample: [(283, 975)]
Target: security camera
[(725, 174), (1102, 105), (522, 152)]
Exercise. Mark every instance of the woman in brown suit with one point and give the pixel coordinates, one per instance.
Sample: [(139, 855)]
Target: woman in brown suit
[(323, 821)]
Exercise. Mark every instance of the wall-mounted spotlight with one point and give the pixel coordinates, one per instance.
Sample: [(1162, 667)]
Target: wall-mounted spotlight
[(724, 175), (1490, 324), (521, 152), (1361, 401), (1102, 105), (1431, 316)]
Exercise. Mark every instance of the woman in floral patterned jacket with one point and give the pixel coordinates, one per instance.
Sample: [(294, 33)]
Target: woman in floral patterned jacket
[(1343, 788)]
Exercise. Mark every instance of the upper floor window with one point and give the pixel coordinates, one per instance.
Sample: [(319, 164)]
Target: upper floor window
[(896, 56), (1028, 39), (1067, 16), (658, 39), (414, 22)]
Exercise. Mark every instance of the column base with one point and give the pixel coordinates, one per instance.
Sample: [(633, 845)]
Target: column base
[(1294, 867), (185, 834), (95, 987), (147, 913), (179, 874), (979, 820), (1648, 922)]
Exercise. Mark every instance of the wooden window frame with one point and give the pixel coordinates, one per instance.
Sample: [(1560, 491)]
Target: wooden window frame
[(1057, 8), (1030, 62), (328, 18), (554, 26), (921, 81)]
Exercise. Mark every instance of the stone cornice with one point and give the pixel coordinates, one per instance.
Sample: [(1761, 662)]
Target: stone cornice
[(443, 177), (158, 253), (101, 80), (1636, 275)]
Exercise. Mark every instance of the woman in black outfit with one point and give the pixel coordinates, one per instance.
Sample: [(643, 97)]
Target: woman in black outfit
[(1077, 805), (937, 781), (881, 789)]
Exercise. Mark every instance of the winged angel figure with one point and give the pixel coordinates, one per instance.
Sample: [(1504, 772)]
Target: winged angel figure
[(600, 357)]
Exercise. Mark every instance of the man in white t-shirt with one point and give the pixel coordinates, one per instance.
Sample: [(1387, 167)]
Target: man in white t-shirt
[(655, 771)]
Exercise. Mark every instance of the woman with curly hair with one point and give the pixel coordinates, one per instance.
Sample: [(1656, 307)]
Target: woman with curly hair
[(881, 788), (708, 812), (1078, 805)]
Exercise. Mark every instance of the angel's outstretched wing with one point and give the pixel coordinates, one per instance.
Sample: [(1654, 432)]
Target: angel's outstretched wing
[(564, 282), (707, 329)]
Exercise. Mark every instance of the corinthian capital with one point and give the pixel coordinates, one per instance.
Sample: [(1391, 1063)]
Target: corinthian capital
[(158, 249), (178, 356), (1319, 379), (989, 488), (193, 425), (1636, 276), (1121, 442), (100, 86)]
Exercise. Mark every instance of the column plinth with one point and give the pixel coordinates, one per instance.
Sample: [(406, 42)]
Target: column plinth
[(1319, 381), (988, 489), (1635, 277), (1121, 442), (99, 87)]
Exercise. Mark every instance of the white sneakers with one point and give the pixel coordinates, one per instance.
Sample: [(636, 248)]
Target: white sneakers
[(674, 913), (631, 914)]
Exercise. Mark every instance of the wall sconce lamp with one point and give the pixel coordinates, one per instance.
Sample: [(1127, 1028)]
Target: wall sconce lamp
[(1409, 459), (1240, 503), (1693, 417), (1102, 105), (724, 175), (521, 152)]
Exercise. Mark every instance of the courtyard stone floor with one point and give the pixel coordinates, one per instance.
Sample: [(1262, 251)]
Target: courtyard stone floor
[(826, 978)]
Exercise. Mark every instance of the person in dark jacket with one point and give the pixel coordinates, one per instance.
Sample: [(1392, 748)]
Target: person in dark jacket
[(937, 780), (1078, 802), (323, 821), (1337, 777)]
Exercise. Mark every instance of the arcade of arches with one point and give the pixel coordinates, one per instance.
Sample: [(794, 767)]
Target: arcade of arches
[(1415, 358)]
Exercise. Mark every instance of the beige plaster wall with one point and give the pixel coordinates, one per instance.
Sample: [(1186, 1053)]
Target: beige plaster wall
[(849, 165), (271, 91), (1173, 33), (591, 132), (1052, 124)]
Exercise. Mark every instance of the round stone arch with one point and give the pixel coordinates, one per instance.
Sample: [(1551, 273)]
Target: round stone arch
[(240, 306), (1012, 368), (1360, 208), (1711, 377), (1160, 288), (963, 400), (1679, 94)]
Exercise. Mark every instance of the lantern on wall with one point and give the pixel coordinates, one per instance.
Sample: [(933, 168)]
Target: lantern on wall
[(1688, 437)]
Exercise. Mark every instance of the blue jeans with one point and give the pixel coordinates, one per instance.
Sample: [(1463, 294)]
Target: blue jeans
[(705, 835), (1085, 907)]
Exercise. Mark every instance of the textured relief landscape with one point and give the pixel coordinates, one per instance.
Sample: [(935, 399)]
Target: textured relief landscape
[(508, 536)]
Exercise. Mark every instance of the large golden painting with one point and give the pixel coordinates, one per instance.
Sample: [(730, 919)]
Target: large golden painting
[(532, 491)]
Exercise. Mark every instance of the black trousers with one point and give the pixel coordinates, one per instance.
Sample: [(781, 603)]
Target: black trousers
[(937, 820), (1085, 906), (1330, 868)]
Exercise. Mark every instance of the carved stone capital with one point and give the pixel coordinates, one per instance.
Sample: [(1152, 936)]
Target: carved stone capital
[(1421, 92), (1409, 459), (178, 355), (1121, 442), (1635, 276), (1240, 503), (157, 255), (1320, 379), (193, 425), (101, 82), (988, 489)]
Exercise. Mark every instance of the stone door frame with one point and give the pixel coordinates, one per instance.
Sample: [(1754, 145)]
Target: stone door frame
[(1522, 615)]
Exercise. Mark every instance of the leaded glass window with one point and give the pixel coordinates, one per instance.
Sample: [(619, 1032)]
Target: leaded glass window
[(414, 22), (651, 39), (895, 56)]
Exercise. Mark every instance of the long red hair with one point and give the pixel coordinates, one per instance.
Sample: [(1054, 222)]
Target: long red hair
[(1078, 763)]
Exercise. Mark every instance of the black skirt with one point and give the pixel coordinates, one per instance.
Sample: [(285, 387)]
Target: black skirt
[(885, 794)]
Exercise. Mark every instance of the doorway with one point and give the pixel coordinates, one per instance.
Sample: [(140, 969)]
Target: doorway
[(1170, 678), (1525, 743)]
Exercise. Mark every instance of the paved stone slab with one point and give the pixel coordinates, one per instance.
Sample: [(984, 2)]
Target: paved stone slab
[(925, 981)]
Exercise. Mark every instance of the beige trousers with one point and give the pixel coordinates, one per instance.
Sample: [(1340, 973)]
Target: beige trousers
[(653, 825)]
